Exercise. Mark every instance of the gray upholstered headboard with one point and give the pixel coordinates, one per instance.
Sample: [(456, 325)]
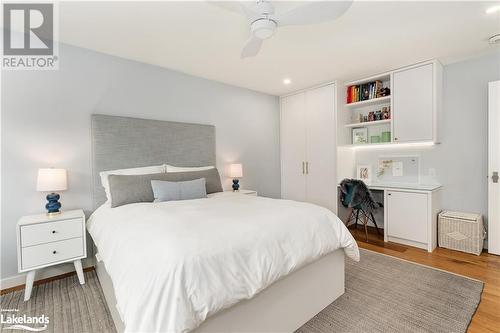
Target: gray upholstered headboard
[(122, 142)]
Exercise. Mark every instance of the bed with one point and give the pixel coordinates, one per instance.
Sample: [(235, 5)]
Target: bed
[(226, 263)]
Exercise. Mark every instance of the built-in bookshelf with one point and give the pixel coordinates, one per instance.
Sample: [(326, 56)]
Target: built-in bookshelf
[(387, 109), (367, 110)]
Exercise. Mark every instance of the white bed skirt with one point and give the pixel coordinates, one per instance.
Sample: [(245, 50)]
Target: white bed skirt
[(282, 307)]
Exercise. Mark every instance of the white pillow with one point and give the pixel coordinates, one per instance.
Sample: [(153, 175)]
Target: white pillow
[(132, 171), (171, 168)]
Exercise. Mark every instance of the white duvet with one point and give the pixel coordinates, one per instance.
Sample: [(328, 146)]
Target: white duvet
[(175, 263)]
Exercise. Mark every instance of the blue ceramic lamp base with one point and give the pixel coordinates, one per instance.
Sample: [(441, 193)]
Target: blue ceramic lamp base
[(53, 204), (236, 185)]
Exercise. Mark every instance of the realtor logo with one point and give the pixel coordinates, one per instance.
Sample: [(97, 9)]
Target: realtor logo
[(28, 36), (11, 320)]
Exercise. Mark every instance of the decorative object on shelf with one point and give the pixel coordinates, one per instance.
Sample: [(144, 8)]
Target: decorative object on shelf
[(51, 180), (378, 115), (365, 119), (371, 116), (235, 171), (364, 173), (384, 92), (386, 136), (359, 135), (357, 118), (374, 139), (386, 112)]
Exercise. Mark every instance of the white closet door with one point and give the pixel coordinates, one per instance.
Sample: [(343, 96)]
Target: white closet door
[(293, 147), (321, 148), (413, 104), (494, 168)]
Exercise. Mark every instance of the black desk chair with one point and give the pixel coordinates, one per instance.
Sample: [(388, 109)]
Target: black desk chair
[(356, 196)]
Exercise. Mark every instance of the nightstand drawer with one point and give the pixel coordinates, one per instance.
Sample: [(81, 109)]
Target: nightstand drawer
[(41, 233), (44, 254)]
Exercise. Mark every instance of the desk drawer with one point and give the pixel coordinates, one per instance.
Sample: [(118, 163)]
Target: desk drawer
[(41, 233), (44, 254)]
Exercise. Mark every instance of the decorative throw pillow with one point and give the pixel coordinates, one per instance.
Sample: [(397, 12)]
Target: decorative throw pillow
[(186, 190), (127, 189), (131, 171), (212, 178)]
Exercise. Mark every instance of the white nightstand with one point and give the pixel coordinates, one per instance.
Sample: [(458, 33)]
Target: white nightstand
[(246, 192), (44, 241)]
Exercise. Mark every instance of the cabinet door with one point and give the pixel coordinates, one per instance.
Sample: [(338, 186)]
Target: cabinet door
[(413, 104), (320, 147), (407, 215), (293, 147)]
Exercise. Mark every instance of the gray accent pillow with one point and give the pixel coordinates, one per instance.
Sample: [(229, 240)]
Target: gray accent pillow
[(211, 176), (127, 189), (189, 189)]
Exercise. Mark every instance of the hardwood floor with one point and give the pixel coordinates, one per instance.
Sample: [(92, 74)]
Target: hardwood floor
[(485, 267)]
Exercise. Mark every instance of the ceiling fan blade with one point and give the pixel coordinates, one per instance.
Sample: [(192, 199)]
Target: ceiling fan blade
[(239, 7), (252, 47), (314, 12)]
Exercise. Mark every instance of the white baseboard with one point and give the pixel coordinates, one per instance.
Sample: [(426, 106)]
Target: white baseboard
[(44, 273)]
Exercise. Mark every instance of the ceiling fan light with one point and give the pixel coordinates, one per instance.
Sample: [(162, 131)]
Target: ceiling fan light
[(493, 9), (263, 28), (495, 39)]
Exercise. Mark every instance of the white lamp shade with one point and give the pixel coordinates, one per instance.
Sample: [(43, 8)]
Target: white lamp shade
[(235, 171), (51, 180)]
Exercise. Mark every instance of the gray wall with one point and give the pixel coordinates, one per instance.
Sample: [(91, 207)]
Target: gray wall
[(461, 160), (46, 122)]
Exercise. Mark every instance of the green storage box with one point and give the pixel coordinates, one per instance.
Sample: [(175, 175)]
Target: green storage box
[(386, 136)]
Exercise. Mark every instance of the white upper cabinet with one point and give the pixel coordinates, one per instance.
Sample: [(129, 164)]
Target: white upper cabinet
[(414, 103)]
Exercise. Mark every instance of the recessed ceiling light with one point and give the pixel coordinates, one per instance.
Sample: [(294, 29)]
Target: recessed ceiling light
[(493, 9), (287, 81)]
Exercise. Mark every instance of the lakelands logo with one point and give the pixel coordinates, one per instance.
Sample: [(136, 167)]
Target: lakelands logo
[(24, 322), (28, 36)]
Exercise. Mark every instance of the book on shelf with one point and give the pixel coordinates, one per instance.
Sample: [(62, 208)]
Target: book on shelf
[(363, 92)]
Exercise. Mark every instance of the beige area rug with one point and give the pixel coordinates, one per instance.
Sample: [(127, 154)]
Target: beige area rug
[(386, 294)]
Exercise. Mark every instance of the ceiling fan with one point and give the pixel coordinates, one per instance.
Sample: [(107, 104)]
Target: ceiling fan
[(264, 21)]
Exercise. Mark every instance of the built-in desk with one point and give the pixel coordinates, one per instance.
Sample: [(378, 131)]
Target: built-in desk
[(410, 213), (412, 187)]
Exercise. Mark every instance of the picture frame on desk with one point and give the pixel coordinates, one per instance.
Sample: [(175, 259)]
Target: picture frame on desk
[(364, 173)]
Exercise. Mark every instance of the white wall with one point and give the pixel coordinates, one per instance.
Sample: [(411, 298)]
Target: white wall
[(460, 160), (46, 122)]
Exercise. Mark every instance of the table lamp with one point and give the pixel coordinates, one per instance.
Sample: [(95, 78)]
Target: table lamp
[(235, 172), (51, 180)]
